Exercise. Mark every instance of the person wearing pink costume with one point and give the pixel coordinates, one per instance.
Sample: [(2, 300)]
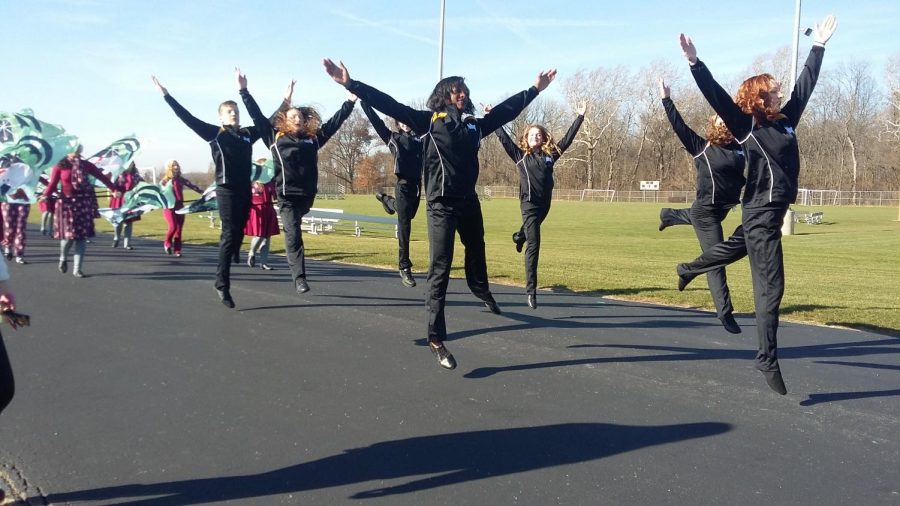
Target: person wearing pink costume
[(125, 183), (172, 242), (15, 217), (262, 223), (75, 206)]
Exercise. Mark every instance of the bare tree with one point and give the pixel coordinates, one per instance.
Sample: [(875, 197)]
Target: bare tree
[(604, 90), (347, 148), (891, 120), (855, 104)]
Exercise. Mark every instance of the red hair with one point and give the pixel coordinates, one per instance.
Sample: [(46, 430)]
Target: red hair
[(754, 93), (718, 133)]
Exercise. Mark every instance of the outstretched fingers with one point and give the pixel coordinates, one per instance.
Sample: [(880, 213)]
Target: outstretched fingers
[(688, 48), (339, 74)]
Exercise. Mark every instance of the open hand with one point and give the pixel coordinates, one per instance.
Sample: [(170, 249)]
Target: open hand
[(159, 86), (338, 73), (664, 91), (241, 79), (544, 79), (823, 32), (687, 46)]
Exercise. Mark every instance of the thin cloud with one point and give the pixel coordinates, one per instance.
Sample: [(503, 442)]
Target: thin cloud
[(385, 26)]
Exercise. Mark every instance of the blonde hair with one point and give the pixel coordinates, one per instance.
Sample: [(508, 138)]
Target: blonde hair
[(170, 170), (548, 147)]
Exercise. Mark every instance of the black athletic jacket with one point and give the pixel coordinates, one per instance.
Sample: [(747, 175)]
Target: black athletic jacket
[(406, 148), (773, 156), (452, 138), (232, 148), (536, 169), (720, 170), (296, 160)]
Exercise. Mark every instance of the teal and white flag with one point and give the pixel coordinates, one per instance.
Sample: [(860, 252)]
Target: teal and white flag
[(14, 126), (263, 173), (206, 202), (114, 159), (149, 194)]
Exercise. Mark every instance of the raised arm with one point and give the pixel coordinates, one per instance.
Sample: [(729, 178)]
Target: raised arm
[(569, 138), (330, 127), (261, 123), (509, 145), (377, 123), (806, 82), (418, 121), (206, 131), (285, 103), (693, 143), (735, 119), (507, 110)]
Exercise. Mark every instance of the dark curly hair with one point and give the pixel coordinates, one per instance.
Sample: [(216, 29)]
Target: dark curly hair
[(441, 94)]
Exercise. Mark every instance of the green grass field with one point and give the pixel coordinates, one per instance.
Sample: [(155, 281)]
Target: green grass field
[(845, 271)]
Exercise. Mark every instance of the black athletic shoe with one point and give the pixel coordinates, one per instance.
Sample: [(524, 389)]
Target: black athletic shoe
[(730, 325), (225, 297), (63, 266), (302, 286), (532, 301), (684, 279), (443, 356), (384, 202), (775, 381), (251, 261), (491, 304), (663, 222), (406, 278), (115, 243), (519, 239), (168, 250)]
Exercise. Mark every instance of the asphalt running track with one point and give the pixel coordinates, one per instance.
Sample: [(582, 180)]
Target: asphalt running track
[(136, 386)]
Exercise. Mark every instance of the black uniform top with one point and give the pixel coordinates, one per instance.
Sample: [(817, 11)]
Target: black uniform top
[(406, 148), (720, 169), (773, 156), (452, 137), (296, 159), (232, 147), (536, 168)]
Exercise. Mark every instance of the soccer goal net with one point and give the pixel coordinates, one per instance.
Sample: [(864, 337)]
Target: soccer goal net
[(598, 195)]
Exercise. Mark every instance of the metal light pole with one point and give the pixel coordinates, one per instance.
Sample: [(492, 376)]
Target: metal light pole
[(441, 45), (795, 54)]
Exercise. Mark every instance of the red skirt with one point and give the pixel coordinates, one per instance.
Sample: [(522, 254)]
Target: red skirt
[(262, 222), (75, 217)]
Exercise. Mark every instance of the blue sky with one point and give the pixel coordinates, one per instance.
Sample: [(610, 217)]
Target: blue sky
[(85, 64)]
